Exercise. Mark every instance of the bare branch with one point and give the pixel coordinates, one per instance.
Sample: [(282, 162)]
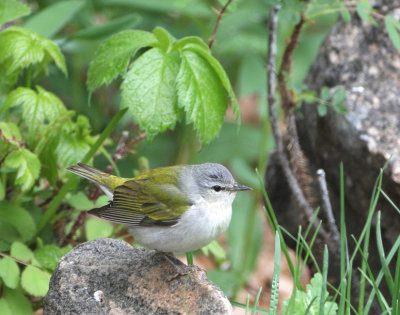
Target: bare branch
[(221, 12), (327, 207), (279, 142)]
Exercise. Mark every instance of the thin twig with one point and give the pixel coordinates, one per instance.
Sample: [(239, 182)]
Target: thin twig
[(15, 259), (271, 91), (221, 12), (327, 207)]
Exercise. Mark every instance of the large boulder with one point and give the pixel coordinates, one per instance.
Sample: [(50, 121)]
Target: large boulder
[(108, 276)]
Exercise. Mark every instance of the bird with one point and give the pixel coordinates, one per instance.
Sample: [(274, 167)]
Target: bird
[(169, 209)]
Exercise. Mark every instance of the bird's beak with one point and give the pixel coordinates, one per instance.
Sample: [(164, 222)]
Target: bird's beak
[(238, 187)]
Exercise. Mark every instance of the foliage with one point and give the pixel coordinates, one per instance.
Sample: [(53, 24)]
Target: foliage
[(166, 80), (171, 82)]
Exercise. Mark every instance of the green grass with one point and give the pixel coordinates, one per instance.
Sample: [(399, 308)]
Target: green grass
[(317, 299)]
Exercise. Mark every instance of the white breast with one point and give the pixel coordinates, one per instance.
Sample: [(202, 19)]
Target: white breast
[(197, 227)]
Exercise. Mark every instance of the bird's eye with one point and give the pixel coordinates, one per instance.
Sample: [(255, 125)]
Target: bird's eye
[(216, 188)]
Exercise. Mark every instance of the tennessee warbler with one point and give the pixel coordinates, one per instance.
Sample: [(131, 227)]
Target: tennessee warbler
[(170, 209)]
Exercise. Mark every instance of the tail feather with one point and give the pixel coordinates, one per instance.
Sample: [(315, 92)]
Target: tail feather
[(88, 172)]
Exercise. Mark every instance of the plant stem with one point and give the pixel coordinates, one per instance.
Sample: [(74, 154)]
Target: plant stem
[(73, 181)]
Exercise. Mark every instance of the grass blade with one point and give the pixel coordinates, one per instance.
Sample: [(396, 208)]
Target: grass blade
[(275, 276)]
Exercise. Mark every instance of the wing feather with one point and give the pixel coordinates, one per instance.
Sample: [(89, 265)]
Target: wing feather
[(137, 203)]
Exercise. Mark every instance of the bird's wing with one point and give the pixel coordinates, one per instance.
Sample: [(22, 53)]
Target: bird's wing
[(137, 203)]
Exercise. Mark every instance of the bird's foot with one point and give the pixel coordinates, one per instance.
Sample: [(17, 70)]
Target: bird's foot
[(179, 267)]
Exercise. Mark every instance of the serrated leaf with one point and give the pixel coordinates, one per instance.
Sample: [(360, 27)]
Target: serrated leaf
[(21, 252), (11, 10), (10, 130), (18, 218), (48, 256), (9, 272), (35, 281), (112, 57), (311, 296), (9, 136), (49, 21), (393, 27), (37, 107), (70, 148), (28, 166), (150, 93), (97, 228), (17, 302), (219, 70), (201, 94), (322, 110), (24, 48), (165, 39), (190, 40)]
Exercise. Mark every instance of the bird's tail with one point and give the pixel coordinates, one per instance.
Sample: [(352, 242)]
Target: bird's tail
[(106, 182), (90, 173)]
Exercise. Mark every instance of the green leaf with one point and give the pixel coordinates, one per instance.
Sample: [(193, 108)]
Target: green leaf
[(24, 48), (393, 27), (149, 91), (10, 131), (165, 39), (4, 307), (2, 190), (216, 250), (21, 252), (9, 272), (112, 57), (338, 96), (227, 281), (35, 281), (28, 166), (48, 256), (11, 10), (325, 93), (322, 109), (97, 228), (341, 108), (363, 10), (190, 40), (9, 136), (311, 296), (201, 94), (80, 201), (219, 70), (19, 219), (37, 107), (70, 148), (346, 16), (17, 302), (49, 21)]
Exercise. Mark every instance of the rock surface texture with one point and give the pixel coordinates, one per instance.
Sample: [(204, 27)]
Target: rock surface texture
[(108, 276), (361, 59)]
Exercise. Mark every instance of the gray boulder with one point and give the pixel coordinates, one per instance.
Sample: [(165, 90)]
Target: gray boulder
[(108, 276)]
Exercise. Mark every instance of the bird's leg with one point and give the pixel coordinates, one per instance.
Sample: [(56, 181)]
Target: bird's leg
[(180, 268)]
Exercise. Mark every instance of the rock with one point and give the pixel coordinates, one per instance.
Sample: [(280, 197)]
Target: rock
[(108, 276), (361, 59)]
